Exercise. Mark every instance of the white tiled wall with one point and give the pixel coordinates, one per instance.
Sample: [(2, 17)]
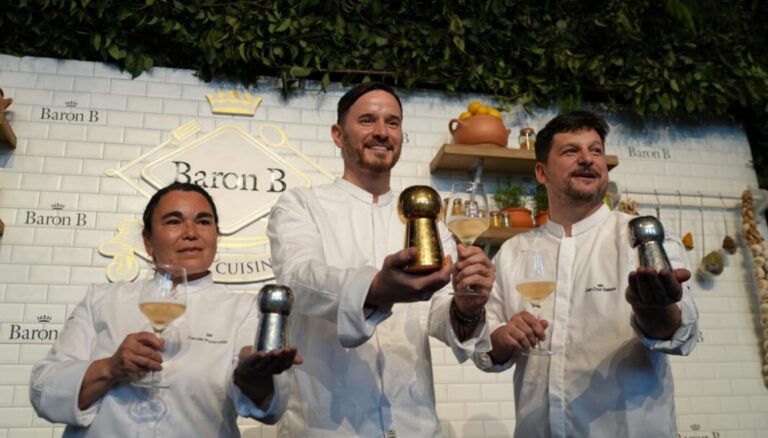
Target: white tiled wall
[(46, 270)]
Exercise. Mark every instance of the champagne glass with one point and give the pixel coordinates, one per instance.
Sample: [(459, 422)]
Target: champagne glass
[(467, 215), (536, 282), (163, 299)]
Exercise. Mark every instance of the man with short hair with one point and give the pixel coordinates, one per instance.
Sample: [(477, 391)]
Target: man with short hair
[(609, 325), (362, 322)]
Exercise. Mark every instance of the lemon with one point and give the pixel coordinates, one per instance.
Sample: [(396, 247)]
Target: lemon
[(494, 112), (465, 115), (482, 110), (474, 106)]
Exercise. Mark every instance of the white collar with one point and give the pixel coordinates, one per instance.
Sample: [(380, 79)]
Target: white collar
[(581, 226), (362, 194)]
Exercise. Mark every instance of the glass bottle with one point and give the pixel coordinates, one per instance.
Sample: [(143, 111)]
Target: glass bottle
[(526, 139)]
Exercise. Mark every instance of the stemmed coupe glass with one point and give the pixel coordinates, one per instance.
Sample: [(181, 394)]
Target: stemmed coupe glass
[(467, 215)]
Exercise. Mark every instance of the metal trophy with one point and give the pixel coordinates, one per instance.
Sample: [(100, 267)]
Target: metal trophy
[(647, 235), (420, 205), (275, 303)]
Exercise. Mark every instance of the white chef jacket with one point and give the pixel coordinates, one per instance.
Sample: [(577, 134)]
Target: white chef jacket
[(201, 400), (361, 377), (605, 379)]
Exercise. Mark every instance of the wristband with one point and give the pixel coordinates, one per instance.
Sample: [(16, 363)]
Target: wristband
[(463, 319)]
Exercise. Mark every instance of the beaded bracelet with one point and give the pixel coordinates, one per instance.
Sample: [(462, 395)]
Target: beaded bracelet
[(466, 319)]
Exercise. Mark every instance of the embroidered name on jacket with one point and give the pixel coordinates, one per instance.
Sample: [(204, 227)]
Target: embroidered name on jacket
[(208, 338), (600, 288)]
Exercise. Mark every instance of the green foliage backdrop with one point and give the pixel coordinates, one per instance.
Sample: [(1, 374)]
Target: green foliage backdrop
[(691, 58)]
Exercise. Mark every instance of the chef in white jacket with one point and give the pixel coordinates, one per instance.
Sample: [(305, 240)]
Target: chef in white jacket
[(212, 375), (610, 325), (360, 321)]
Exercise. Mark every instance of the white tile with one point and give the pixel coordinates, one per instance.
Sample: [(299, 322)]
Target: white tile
[(159, 121), (56, 311), (8, 62), (165, 90), (88, 275), (142, 137), (36, 432), (30, 354), (196, 93), (497, 391), (11, 312), (30, 131), (181, 76), (92, 238), (80, 184), (32, 96), (109, 101), (54, 236), (66, 294), (104, 134), (55, 82), (15, 235), (60, 131), (145, 104), (36, 181), (10, 180), (60, 166), (447, 374), (128, 87), (84, 150), (33, 255), (125, 119), (182, 107), (14, 417), (463, 393), (450, 411), (97, 202), (91, 85), (72, 256), (22, 163), (121, 152), (9, 354), (17, 79), (131, 204), (49, 274), (78, 68)]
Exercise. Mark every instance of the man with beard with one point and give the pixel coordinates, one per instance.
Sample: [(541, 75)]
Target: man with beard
[(361, 322), (609, 326)]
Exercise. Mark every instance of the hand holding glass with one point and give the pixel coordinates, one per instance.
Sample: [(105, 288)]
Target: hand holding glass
[(163, 299), (467, 215), (536, 282)]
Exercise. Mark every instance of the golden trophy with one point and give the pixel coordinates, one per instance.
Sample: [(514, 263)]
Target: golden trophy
[(420, 205)]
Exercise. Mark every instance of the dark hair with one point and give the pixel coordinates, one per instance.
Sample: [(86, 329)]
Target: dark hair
[(350, 97), (568, 122), (175, 187)]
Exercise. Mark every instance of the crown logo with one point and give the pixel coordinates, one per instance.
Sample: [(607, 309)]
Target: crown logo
[(695, 426), (71, 103), (44, 318), (57, 206), (233, 102)]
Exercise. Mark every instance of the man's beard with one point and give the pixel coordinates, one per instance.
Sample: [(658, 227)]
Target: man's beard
[(373, 166), (586, 195)]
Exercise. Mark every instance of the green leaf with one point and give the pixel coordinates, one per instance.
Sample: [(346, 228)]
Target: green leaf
[(299, 72)]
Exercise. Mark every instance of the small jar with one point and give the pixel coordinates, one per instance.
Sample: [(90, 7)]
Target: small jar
[(505, 220), (526, 139), (457, 209), (495, 219)]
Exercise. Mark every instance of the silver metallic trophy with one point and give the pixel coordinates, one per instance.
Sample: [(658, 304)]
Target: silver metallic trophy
[(275, 303), (647, 235)]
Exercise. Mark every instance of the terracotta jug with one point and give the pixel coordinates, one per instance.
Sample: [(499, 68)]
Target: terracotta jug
[(479, 129)]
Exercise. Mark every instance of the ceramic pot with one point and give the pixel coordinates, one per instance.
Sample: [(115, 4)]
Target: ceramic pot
[(479, 129), (542, 218), (519, 217)]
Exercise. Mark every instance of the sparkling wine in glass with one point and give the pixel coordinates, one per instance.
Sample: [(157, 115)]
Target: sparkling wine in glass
[(467, 216), (536, 283), (163, 299)]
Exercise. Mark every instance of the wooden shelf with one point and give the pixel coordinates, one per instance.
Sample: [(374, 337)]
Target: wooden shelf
[(497, 236), (7, 136), (497, 159)]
